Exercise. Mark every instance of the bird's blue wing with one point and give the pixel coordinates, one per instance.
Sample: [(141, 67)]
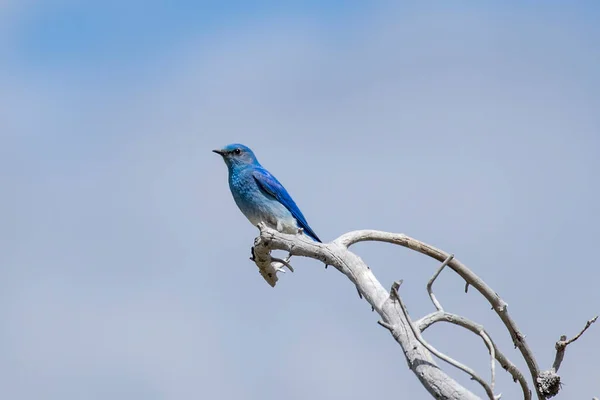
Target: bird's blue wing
[(271, 186)]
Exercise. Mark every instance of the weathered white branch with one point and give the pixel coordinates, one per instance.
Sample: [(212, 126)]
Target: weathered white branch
[(284, 262), (395, 318), (442, 316), (562, 344), (490, 345), (474, 328), (439, 384), (434, 300), (396, 296), (549, 381), (498, 305)]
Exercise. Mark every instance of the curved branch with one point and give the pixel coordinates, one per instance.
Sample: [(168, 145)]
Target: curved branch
[(434, 300), (283, 262), (492, 349), (486, 339), (549, 381), (562, 344), (499, 305), (439, 384), (477, 329), (438, 353)]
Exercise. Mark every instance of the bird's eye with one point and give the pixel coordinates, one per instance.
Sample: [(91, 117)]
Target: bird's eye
[(237, 152)]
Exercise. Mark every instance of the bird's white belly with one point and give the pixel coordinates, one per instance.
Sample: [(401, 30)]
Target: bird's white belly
[(276, 216)]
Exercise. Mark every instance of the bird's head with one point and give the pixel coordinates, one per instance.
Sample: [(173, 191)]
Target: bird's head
[(237, 155)]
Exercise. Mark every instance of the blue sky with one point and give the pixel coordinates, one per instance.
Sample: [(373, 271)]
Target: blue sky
[(125, 269), (84, 33)]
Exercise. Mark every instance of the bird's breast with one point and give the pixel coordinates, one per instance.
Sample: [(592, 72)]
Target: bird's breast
[(246, 193), (257, 206)]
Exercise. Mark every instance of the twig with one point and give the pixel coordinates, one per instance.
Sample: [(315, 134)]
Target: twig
[(284, 262), (385, 325), (438, 353), (394, 290), (490, 346), (434, 300), (562, 344)]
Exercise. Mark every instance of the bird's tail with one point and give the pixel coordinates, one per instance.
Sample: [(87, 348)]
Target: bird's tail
[(311, 234)]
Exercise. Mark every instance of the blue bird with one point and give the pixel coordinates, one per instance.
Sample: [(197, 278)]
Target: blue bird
[(259, 195)]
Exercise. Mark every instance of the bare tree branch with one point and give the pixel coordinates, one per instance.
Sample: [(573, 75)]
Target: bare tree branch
[(562, 344), (482, 333), (439, 384), (490, 345), (434, 300), (499, 305), (477, 329), (284, 262), (435, 351), (548, 382), (408, 334)]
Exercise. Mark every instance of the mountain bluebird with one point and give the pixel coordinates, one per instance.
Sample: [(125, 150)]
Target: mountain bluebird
[(259, 195)]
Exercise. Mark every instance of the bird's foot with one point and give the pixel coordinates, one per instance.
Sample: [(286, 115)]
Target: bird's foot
[(300, 231)]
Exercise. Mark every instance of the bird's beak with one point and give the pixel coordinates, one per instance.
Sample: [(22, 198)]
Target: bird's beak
[(219, 152)]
